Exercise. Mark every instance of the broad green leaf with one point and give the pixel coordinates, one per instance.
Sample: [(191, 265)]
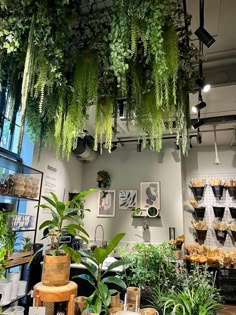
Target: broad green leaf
[(70, 230), (54, 196), (60, 206), (91, 268), (74, 254), (100, 254), (78, 228), (49, 200), (118, 263), (83, 194), (47, 223), (88, 278), (114, 280), (114, 242), (88, 254), (55, 216), (44, 207)]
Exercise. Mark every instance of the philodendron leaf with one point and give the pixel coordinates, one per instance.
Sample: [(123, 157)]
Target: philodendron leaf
[(49, 200), (92, 268), (79, 228), (104, 293), (88, 278), (60, 206), (54, 196), (100, 254), (114, 242), (74, 254), (116, 264), (114, 280), (47, 223)]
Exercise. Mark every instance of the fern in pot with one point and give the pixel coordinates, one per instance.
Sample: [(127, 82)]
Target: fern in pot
[(57, 258)]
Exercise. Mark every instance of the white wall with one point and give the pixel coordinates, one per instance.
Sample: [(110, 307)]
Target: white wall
[(127, 169), (66, 177), (201, 162)]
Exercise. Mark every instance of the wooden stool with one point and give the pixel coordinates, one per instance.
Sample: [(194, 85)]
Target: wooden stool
[(43, 293)]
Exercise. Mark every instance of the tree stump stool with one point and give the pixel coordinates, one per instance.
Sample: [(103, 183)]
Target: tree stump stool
[(65, 293)]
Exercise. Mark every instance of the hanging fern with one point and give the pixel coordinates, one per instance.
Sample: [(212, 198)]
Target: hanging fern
[(27, 77), (103, 123)]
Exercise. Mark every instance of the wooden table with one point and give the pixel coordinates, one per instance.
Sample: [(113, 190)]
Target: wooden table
[(65, 293)]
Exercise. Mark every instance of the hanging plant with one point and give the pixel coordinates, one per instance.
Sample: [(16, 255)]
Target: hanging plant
[(103, 179), (103, 123)]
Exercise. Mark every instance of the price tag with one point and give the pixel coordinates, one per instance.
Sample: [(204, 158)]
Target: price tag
[(34, 310)]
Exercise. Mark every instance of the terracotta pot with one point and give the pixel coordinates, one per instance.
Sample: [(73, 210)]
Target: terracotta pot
[(115, 300), (80, 302), (148, 311), (56, 270)]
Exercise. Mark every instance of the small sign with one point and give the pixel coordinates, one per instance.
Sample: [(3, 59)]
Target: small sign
[(34, 310)]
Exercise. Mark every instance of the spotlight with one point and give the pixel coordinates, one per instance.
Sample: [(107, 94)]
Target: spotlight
[(204, 36), (199, 138), (203, 85), (198, 107), (139, 146), (198, 124)]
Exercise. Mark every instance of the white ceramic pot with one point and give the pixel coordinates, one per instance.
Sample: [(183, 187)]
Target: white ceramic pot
[(5, 291), (14, 290), (13, 276), (21, 287)]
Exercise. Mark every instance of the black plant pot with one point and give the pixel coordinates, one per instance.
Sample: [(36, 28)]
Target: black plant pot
[(232, 191), (219, 212), (221, 236), (199, 212), (198, 192), (201, 236), (234, 235), (218, 191), (232, 212)]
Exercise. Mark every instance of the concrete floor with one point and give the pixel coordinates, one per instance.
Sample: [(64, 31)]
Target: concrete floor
[(228, 310)]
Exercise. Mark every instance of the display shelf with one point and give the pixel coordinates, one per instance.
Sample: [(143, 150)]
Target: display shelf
[(18, 261), (17, 167), (13, 300), (23, 230), (17, 198)]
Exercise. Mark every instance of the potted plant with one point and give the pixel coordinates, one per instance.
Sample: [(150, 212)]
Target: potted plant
[(27, 244), (56, 266), (94, 261)]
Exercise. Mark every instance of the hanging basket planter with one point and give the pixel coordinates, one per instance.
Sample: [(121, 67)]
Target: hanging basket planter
[(218, 191), (232, 212), (219, 212), (199, 213), (232, 191), (198, 192), (201, 236), (234, 235), (221, 235)]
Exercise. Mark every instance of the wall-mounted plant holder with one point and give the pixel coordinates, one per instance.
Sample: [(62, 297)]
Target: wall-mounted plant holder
[(199, 213), (218, 191), (221, 236), (219, 212), (201, 236), (232, 212), (198, 192), (232, 191), (233, 235)]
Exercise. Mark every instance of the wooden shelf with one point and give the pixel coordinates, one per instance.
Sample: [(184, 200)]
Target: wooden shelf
[(19, 258)]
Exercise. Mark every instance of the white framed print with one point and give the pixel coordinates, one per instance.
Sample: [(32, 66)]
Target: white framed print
[(127, 199), (106, 203), (150, 195)]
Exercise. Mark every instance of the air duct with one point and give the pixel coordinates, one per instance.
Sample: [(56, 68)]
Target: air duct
[(84, 149)]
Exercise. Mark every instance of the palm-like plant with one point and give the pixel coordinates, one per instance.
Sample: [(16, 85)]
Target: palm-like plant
[(93, 261)]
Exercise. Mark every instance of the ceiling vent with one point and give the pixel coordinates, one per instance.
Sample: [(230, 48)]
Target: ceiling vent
[(84, 150)]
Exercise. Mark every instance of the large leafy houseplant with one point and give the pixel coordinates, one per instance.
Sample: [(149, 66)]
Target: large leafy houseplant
[(63, 221), (98, 278)]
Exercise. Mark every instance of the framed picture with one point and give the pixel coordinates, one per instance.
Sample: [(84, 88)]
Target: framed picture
[(106, 203), (127, 199), (150, 195)]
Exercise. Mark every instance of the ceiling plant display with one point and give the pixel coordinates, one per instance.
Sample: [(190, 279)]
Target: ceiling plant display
[(64, 60)]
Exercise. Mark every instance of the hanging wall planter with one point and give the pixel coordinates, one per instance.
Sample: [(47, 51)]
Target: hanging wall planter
[(199, 213), (218, 191), (219, 212), (232, 212), (103, 179), (221, 235), (201, 236), (232, 191), (198, 192)]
